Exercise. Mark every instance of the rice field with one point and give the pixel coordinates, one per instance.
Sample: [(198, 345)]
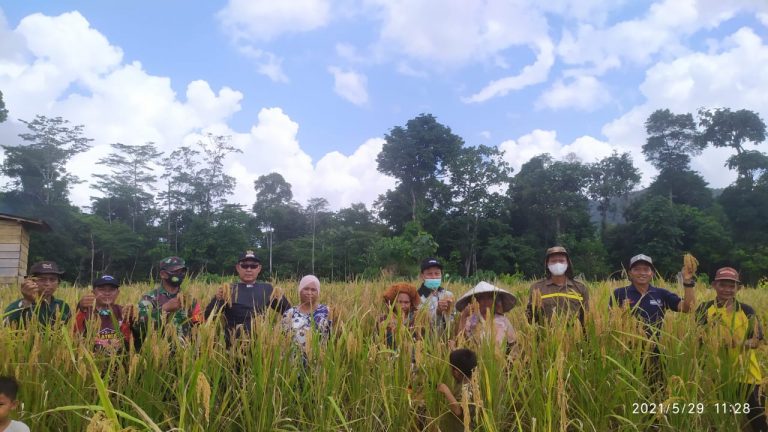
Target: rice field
[(559, 379)]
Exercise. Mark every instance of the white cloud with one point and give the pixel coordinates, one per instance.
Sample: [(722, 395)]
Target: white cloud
[(121, 102), (262, 20), (272, 146), (267, 63), (582, 92), (350, 85), (661, 31), (532, 74), (456, 32), (725, 78)]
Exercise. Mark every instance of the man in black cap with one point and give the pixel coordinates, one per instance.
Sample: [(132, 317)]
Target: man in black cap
[(37, 297), (239, 302), (437, 300)]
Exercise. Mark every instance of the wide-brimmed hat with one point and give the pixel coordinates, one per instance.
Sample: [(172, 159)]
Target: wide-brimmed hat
[(508, 300)]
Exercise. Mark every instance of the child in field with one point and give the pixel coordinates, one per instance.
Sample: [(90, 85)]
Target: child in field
[(113, 322), (9, 389), (463, 363)]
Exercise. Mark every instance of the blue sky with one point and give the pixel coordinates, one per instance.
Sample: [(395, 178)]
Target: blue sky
[(309, 87)]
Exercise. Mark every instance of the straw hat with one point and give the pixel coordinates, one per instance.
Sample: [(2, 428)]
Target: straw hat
[(508, 300)]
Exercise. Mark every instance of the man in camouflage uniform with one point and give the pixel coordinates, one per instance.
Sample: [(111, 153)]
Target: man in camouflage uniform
[(165, 304), (37, 301)]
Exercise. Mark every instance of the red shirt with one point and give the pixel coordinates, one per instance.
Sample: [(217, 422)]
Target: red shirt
[(113, 333)]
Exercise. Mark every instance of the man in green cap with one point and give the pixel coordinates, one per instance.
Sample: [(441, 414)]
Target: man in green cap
[(37, 298), (165, 303)]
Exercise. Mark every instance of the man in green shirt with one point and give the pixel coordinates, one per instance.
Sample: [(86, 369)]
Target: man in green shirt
[(37, 300)]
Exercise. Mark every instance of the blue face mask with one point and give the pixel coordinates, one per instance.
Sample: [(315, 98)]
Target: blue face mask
[(432, 284)]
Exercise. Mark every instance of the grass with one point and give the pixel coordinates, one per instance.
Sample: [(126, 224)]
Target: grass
[(563, 378)]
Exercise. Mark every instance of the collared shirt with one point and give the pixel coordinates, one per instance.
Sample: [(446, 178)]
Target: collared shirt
[(649, 307), (429, 300), (151, 307), (571, 298), (46, 313), (739, 325)]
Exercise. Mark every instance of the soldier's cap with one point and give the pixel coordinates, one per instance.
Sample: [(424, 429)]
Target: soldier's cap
[(45, 267), (106, 280), (640, 258), (249, 255), (727, 273), (172, 263), (429, 263)]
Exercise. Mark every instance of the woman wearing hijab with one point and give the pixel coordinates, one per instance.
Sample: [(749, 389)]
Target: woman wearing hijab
[(308, 315)]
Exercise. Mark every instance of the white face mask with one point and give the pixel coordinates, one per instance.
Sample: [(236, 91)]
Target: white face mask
[(558, 269)]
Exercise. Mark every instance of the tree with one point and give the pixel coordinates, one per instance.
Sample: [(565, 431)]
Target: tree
[(610, 178), (725, 128), (130, 180), (672, 140), (38, 167), (315, 206), (417, 156), (477, 177), (3, 110)]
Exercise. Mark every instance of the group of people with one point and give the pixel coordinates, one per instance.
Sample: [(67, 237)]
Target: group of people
[(479, 314)]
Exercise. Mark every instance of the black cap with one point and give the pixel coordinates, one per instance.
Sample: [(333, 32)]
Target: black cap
[(249, 255), (106, 280), (45, 267), (429, 263)]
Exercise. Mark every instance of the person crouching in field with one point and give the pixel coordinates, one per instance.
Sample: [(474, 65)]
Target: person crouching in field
[(463, 363), (99, 312), (240, 302), (309, 316), (165, 303), (9, 389), (37, 300), (482, 303), (558, 293), (738, 333), (402, 301)]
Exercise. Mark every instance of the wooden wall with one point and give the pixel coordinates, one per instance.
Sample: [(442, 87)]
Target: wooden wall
[(14, 248)]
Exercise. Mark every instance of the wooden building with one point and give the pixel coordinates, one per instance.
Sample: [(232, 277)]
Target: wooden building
[(14, 246)]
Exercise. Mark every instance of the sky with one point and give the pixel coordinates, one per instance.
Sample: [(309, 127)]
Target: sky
[(309, 88)]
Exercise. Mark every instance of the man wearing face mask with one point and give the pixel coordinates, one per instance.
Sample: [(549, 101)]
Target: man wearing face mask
[(558, 293), (166, 303), (437, 300)]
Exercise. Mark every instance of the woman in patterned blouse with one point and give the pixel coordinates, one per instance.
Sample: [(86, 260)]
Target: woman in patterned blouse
[(309, 315)]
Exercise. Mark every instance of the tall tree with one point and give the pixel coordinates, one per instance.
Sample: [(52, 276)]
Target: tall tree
[(38, 167), (131, 181), (417, 155), (671, 140), (477, 177), (3, 110), (611, 177), (725, 128)]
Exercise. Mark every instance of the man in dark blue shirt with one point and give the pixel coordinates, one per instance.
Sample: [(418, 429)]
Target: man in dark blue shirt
[(649, 304), (239, 302)]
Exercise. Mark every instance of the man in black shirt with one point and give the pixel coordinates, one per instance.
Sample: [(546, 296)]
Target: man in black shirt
[(238, 302)]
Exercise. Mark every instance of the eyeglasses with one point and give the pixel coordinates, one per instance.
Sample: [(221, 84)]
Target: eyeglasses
[(250, 266)]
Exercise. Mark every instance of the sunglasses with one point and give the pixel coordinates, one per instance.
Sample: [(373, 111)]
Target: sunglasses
[(250, 266)]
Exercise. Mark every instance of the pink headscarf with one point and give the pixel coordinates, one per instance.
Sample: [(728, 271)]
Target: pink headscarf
[(309, 280)]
